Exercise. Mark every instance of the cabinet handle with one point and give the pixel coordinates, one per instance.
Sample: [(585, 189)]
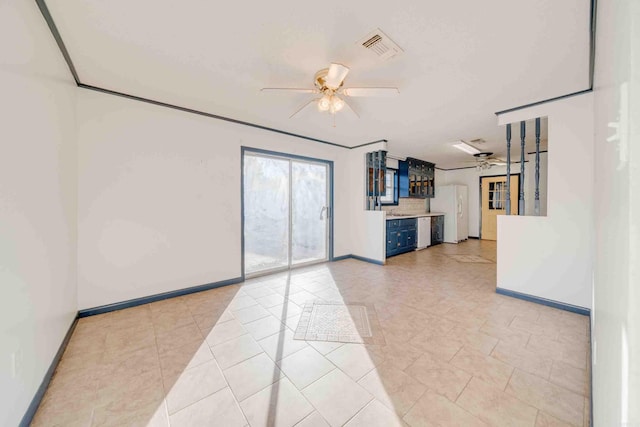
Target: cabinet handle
[(398, 244)]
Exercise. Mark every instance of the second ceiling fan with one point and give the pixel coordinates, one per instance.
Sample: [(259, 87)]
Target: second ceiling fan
[(329, 83)]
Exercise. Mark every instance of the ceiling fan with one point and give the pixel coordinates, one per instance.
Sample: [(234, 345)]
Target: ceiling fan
[(328, 83), (483, 159)]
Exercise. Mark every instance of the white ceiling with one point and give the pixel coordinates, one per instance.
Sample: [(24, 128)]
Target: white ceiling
[(463, 60)]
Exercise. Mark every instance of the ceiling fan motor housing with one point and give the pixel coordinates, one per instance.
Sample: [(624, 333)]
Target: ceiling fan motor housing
[(320, 81)]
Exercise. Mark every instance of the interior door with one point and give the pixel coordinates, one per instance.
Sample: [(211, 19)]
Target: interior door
[(494, 195), (286, 212)]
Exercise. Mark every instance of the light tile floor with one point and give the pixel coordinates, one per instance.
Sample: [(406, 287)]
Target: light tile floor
[(456, 354)]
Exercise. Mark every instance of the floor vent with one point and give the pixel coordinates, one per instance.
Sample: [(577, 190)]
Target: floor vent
[(380, 45)]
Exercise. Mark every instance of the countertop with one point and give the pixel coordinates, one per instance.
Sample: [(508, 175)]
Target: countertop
[(390, 217)]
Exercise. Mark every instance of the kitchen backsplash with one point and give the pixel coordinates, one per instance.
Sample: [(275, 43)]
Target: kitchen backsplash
[(409, 206)]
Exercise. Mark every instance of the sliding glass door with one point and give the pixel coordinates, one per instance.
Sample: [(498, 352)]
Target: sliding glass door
[(286, 212)]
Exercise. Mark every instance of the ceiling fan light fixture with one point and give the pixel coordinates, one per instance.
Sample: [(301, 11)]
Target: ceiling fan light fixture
[(324, 103), (469, 149), (335, 75), (337, 103)]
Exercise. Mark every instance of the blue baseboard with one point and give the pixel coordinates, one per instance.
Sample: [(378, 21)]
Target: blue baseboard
[(544, 301), (35, 402), (359, 258), (157, 297), (372, 261)]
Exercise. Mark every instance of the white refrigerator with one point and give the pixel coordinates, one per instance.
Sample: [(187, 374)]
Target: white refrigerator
[(453, 201)]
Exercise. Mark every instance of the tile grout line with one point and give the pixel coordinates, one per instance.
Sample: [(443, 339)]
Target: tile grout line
[(412, 309), (426, 389), (361, 409), (464, 388), (509, 380)]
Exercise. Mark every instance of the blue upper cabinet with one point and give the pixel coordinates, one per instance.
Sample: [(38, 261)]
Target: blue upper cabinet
[(416, 178)]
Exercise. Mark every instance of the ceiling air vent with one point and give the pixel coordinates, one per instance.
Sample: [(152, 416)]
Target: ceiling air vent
[(478, 141), (380, 44)]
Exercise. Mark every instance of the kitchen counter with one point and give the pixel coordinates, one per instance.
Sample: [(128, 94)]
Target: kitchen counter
[(390, 217)]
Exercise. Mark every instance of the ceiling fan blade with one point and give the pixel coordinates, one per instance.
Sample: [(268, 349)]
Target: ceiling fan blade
[(288, 89), (382, 92), (336, 75), (351, 108), (303, 107)]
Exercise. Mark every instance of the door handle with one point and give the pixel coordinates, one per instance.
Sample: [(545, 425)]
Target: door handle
[(324, 208)]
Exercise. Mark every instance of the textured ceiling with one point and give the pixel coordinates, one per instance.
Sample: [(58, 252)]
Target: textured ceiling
[(462, 61)]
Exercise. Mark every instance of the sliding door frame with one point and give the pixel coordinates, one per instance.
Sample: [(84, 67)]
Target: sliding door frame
[(285, 156)]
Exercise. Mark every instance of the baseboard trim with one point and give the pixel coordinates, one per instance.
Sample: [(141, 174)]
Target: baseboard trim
[(473, 237), (358, 257), (369, 260), (550, 303), (37, 398), (157, 297)]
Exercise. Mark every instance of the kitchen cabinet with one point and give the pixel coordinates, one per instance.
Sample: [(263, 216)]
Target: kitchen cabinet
[(376, 181), (437, 229), (401, 236), (376, 171), (417, 178)]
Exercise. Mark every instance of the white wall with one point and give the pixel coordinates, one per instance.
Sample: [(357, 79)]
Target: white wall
[(367, 229), (37, 203), (616, 296), (551, 257), (159, 197)]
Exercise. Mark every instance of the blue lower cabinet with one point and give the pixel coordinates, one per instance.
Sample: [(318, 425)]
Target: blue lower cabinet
[(392, 241), (401, 236)]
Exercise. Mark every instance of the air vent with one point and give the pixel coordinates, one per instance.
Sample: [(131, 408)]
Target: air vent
[(478, 141), (380, 45)]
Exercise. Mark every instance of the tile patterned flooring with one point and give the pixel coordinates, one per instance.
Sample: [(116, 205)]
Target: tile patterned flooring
[(456, 354)]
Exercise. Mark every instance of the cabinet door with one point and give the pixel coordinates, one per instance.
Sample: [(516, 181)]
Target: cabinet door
[(403, 243), (393, 240), (381, 183), (403, 178), (412, 239)]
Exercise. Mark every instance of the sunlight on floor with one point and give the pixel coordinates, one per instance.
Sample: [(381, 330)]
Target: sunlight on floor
[(453, 352)]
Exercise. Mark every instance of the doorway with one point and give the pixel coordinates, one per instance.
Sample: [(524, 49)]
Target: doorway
[(286, 211), (493, 196)]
